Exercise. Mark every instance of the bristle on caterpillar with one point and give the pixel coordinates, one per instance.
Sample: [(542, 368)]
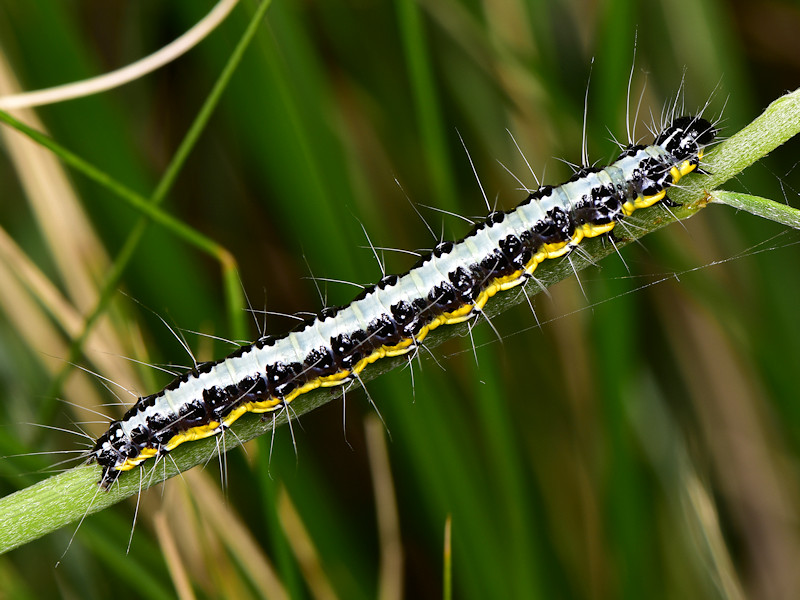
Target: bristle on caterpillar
[(391, 318)]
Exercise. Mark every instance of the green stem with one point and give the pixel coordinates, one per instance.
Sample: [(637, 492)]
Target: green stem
[(761, 207)]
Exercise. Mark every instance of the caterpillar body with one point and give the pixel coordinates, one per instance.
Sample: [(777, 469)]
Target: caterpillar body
[(391, 318)]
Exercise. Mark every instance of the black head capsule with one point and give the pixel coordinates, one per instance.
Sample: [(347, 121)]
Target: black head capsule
[(686, 136)]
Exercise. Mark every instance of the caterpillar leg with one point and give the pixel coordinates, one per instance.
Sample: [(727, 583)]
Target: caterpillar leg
[(669, 202)]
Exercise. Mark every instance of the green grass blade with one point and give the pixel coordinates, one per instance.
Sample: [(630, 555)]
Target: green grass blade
[(132, 198), (761, 207)]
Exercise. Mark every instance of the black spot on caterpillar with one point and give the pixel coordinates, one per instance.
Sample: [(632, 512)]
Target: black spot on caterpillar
[(448, 286)]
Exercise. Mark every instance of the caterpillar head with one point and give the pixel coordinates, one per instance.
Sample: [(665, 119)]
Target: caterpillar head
[(686, 137)]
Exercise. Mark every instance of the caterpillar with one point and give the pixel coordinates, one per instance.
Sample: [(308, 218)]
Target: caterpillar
[(449, 285)]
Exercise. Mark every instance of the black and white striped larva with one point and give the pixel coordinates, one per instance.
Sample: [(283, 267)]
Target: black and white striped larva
[(391, 318)]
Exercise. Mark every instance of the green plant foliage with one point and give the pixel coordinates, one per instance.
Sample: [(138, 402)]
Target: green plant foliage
[(642, 439)]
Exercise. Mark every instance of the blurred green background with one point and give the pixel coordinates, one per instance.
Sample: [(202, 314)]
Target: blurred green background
[(642, 442)]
